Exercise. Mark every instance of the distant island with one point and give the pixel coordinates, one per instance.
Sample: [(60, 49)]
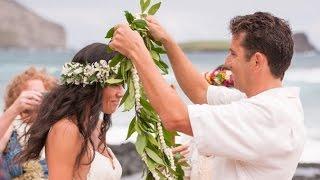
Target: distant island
[(301, 45), (203, 46), (21, 28)]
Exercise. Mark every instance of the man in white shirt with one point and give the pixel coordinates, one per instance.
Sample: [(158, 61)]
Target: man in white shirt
[(255, 132)]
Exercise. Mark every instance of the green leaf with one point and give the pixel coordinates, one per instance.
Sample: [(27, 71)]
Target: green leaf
[(158, 43), (155, 55), (128, 65), (160, 65), (154, 156), (140, 23), (137, 127), (148, 43), (169, 137), (129, 17), (131, 129), (146, 104), (141, 5), (146, 127), (114, 81), (148, 116), (125, 96), (141, 143), (129, 103), (123, 71), (109, 50), (154, 8), (110, 33), (152, 140), (115, 60), (144, 4), (164, 64), (159, 50), (151, 164)]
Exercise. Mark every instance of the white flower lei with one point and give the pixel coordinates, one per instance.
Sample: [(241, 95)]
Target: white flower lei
[(99, 72)]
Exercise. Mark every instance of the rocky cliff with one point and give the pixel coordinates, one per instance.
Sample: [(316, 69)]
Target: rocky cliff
[(302, 44), (20, 28)]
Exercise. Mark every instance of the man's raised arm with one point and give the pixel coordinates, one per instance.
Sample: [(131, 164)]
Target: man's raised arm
[(190, 80)]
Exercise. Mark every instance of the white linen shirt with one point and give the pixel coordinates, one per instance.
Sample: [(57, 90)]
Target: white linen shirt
[(256, 138)]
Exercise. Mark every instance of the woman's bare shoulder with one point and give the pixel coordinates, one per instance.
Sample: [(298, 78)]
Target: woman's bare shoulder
[(64, 134)]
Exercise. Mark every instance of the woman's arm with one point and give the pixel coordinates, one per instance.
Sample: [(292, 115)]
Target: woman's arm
[(5, 139), (27, 100)]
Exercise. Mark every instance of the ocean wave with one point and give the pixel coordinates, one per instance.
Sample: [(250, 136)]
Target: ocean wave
[(310, 75)]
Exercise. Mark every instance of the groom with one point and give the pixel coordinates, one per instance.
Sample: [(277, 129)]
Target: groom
[(255, 131)]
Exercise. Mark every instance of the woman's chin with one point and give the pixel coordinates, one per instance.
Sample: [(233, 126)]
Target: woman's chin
[(110, 110)]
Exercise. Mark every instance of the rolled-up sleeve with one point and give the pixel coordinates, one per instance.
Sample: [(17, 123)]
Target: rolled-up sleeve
[(217, 95)]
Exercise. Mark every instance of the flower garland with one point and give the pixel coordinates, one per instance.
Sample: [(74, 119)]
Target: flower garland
[(32, 170), (87, 74), (220, 77), (153, 142)]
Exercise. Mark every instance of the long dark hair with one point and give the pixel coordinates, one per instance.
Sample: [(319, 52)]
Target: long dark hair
[(83, 104)]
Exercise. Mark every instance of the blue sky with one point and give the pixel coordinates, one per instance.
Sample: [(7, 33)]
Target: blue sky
[(87, 21)]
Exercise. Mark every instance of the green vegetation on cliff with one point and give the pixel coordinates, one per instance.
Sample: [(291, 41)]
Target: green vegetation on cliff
[(194, 46)]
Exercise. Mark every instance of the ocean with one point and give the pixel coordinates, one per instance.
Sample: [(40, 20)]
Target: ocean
[(304, 72)]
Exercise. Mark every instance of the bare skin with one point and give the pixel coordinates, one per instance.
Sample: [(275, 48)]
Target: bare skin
[(61, 157), (27, 101)]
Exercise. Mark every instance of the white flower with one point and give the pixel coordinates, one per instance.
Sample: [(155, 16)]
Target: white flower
[(65, 69), (69, 80), (103, 63), (96, 64), (78, 71), (85, 80), (228, 74), (89, 70)]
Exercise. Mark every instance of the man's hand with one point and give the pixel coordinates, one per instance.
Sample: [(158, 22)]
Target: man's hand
[(156, 30), (127, 42)]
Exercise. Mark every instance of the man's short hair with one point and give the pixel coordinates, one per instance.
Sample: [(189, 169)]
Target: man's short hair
[(266, 34)]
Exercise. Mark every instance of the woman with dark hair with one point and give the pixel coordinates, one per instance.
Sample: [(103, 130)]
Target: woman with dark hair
[(68, 124)]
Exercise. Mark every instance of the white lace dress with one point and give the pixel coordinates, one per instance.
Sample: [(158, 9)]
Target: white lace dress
[(103, 168), (201, 166)]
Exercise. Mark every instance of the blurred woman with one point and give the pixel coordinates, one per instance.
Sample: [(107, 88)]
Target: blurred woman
[(23, 96)]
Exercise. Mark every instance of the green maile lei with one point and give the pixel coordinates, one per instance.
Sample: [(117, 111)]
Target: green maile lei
[(153, 142)]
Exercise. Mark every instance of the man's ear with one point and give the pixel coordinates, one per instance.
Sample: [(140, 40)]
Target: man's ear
[(258, 61)]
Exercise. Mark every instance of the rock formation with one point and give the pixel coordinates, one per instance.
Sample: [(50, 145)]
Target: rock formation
[(20, 28), (302, 44)]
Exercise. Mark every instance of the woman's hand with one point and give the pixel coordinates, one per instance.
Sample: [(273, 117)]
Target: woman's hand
[(27, 101), (182, 150)]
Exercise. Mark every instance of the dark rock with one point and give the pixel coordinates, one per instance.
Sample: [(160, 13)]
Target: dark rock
[(307, 171), (128, 157), (20, 28), (302, 44)]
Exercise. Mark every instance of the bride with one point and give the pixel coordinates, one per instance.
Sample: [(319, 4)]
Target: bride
[(68, 124)]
